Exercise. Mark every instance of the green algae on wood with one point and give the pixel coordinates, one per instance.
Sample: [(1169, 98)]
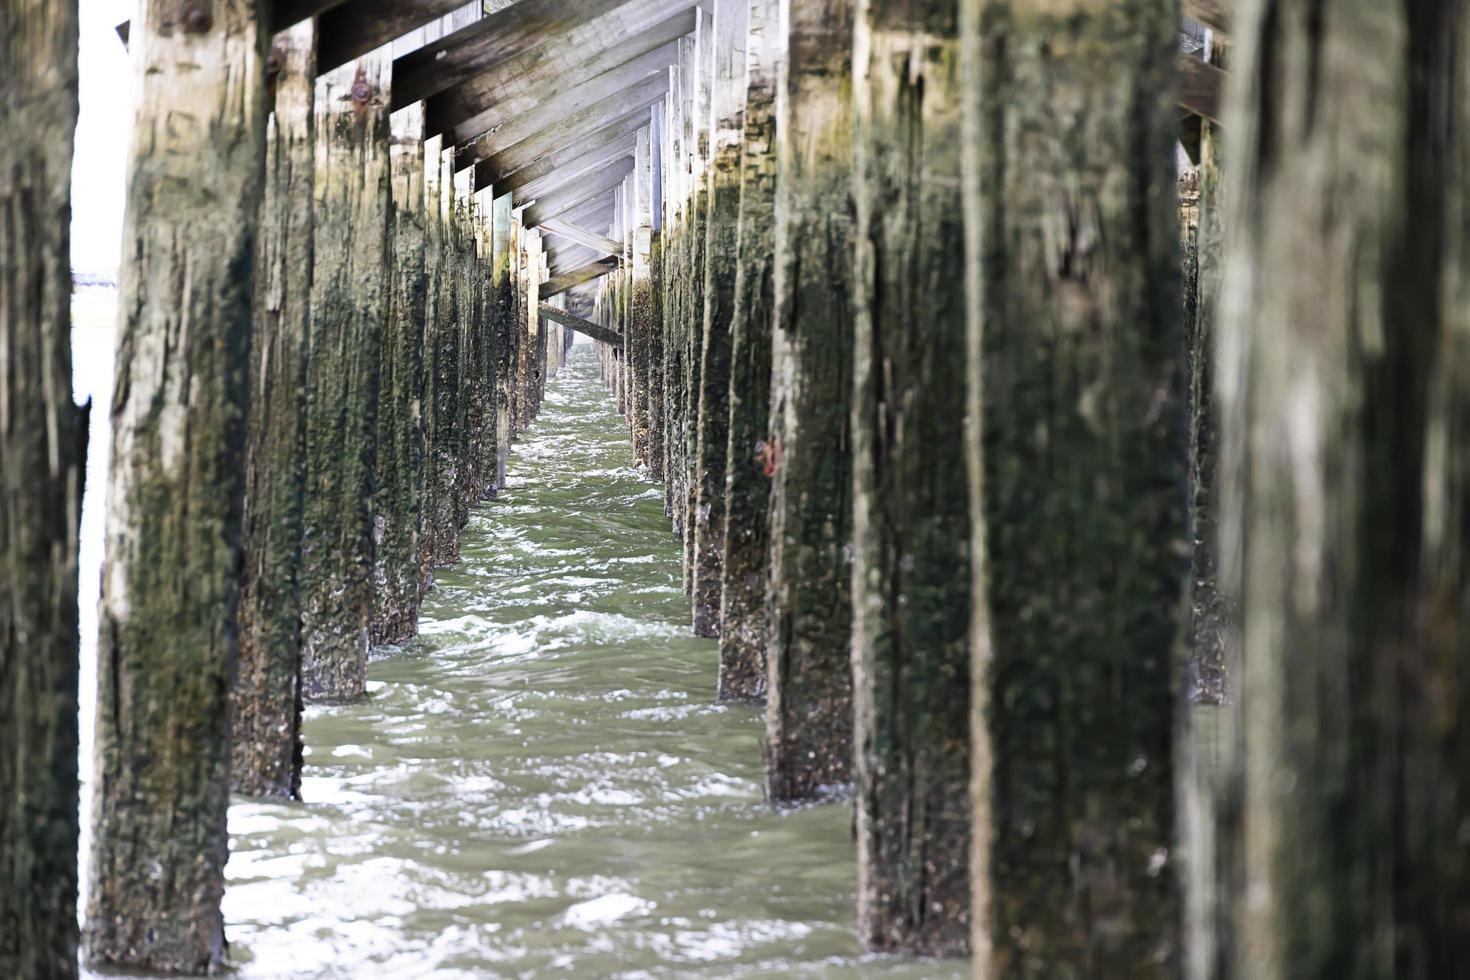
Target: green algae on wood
[(167, 646), (809, 593), (349, 311), (911, 594), (266, 698), (43, 444)]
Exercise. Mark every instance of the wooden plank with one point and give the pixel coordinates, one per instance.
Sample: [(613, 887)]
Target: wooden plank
[(575, 277), (572, 257), (492, 130), (353, 29), (582, 236), (1214, 14), (574, 194), (563, 63), (1201, 87), (283, 14), (570, 320), (575, 146), (602, 157), (617, 112), (493, 39)]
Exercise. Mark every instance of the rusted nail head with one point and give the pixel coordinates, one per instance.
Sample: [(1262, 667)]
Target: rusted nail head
[(197, 18), (361, 91), (274, 62)]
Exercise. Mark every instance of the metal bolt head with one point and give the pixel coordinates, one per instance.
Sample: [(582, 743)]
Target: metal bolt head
[(197, 18), (274, 62), (361, 91)]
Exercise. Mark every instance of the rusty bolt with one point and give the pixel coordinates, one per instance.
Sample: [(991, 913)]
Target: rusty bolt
[(274, 62), (197, 18), (361, 91)]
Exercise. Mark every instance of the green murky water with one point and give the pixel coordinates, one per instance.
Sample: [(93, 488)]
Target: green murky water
[(540, 785)]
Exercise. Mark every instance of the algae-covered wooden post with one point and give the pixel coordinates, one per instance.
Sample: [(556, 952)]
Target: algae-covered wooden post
[(747, 480), (639, 332), (712, 417), (266, 701), (911, 594), (653, 325), (1077, 466), (349, 313), (437, 547), (535, 352), (1344, 387), (809, 593), (398, 563), (43, 444), (167, 644), (698, 143), (503, 309)]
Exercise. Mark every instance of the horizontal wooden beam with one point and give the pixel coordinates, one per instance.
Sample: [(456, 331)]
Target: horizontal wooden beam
[(575, 277), (567, 319), (1201, 87), (283, 13), (488, 171), (1214, 14), (573, 194), (603, 156), (564, 62), (582, 236), (353, 29), (491, 40), (572, 257), (530, 137)]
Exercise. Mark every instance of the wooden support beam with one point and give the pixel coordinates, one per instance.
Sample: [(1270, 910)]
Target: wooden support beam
[(581, 236), (493, 39), (353, 29), (573, 194), (581, 167), (571, 257), (634, 84), (519, 165), (283, 14), (1201, 87), (167, 632), (1214, 14), (575, 277), (565, 62), (586, 327)]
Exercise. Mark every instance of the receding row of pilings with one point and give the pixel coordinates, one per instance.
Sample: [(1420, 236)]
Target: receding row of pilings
[(972, 499), (327, 344)]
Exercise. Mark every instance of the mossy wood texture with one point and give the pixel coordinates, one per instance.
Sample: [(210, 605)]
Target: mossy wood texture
[(167, 644), (1344, 340), (911, 595), (1078, 464), (742, 674), (349, 314), (43, 444), (809, 592), (266, 700)]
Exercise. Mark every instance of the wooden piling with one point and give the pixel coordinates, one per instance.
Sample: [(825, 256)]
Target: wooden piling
[(43, 439), (167, 646), (266, 699), (747, 483), (1077, 467), (1344, 340), (503, 318), (809, 595), (399, 571), (911, 595), (349, 312), (444, 327)]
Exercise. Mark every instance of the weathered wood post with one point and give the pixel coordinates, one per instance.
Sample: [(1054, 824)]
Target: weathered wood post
[(671, 243), (712, 418), (809, 450), (1344, 512), (266, 701), (1077, 471), (911, 595), (439, 193), (747, 484), (653, 305), (535, 342), (167, 646), (349, 311), (641, 317), (398, 562), (43, 441), (503, 305), (466, 303), (698, 139)]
